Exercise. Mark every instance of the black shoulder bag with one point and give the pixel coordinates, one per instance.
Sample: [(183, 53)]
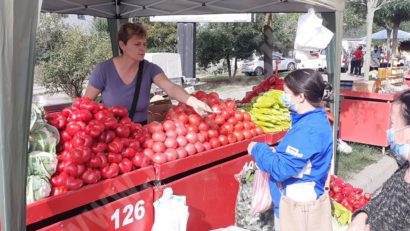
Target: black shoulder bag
[(137, 90)]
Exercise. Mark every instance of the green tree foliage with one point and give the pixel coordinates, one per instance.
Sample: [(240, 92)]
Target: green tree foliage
[(71, 59), (162, 37), (354, 19), (49, 32)]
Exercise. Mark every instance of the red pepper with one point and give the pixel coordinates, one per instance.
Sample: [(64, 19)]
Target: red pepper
[(115, 146), (104, 160), (128, 152), (125, 165), (91, 176), (95, 128), (110, 171), (73, 128), (107, 136), (94, 162), (58, 190), (99, 147), (73, 183), (114, 158), (123, 131)]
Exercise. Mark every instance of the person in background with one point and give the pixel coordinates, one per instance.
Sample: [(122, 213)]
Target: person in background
[(299, 165), (375, 59), (390, 209), (116, 79), (358, 59)]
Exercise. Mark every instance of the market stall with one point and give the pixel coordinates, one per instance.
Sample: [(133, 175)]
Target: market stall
[(17, 69), (364, 115)]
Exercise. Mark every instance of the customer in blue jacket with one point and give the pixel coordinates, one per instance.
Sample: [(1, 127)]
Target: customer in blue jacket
[(299, 165)]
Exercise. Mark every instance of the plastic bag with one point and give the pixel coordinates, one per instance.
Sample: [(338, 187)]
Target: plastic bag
[(261, 198), (171, 212), (243, 218), (44, 139), (38, 187), (310, 34)]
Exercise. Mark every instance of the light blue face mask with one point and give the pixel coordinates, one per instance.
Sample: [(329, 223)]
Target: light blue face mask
[(400, 150), (286, 100)]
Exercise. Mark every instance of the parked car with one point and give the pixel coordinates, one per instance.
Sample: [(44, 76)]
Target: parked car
[(255, 65), (317, 60)]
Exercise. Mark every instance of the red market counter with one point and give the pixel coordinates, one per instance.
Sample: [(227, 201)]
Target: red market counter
[(126, 202), (365, 117), (55, 208)]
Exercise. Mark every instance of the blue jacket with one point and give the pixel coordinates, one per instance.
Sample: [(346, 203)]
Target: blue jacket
[(302, 159)]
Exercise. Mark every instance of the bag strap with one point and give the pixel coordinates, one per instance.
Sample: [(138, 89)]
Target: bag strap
[(137, 90)]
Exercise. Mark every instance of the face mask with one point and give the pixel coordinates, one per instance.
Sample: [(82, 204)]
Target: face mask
[(400, 150), (286, 100)]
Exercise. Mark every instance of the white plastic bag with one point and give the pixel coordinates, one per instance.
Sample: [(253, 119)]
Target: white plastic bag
[(261, 198), (310, 34), (171, 212)]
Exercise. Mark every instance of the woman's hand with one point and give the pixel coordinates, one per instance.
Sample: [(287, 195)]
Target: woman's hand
[(199, 107), (250, 147), (359, 223)]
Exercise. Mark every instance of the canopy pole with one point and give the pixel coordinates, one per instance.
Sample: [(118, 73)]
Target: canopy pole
[(18, 29), (334, 22)]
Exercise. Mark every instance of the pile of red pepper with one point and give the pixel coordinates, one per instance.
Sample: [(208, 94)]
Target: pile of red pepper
[(267, 84), (344, 193), (97, 142)]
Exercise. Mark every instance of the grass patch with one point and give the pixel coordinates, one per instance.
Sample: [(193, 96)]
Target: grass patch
[(362, 155)]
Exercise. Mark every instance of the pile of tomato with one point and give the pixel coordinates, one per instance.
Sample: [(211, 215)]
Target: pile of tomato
[(344, 193), (99, 142)]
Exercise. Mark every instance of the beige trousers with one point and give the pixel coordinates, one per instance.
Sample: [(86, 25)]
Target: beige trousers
[(305, 216)]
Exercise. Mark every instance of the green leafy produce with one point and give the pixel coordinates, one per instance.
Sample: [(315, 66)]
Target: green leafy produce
[(38, 187), (42, 163)]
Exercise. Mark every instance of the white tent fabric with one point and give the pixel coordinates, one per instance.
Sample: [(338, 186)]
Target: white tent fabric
[(132, 8), (18, 23), (381, 35)]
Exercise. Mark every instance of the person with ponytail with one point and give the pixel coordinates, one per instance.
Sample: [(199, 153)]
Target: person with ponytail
[(300, 163)]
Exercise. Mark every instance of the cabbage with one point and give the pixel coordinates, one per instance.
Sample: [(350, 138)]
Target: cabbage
[(44, 139), (36, 120), (42, 163), (38, 187)]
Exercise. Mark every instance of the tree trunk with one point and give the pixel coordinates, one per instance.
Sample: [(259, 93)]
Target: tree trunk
[(388, 43), (235, 67), (228, 63), (369, 25), (395, 43), (267, 45)]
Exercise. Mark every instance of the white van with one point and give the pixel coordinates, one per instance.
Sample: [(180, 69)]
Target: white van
[(317, 60)]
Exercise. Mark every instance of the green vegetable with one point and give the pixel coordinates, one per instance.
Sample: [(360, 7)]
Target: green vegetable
[(38, 187), (42, 163)]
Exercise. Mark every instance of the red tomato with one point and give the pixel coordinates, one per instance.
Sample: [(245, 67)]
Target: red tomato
[(232, 138), (207, 146), (148, 143), (223, 139), (171, 133), (159, 136), (168, 125), (259, 130), (110, 171), (212, 133), (181, 131), (232, 120), (171, 154), (190, 149), (238, 116), (192, 128), (226, 128), (203, 126), (182, 153), (219, 120), (125, 165), (192, 137), (194, 119), (246, 116), (183, 118), (214, 142), (170, 142), (159, 158), (253, 132), (247, 134), (216, 108), (230, 104), (155, 127), (158, 147), (182, 141), (226, 114), (239, 135), (148, 152), (239, 126), (201, 137), (200, 94), (137, 159), (199, 147)]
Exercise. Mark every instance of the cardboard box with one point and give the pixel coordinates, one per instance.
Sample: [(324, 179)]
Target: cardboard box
[(363, 86), (157, 110)]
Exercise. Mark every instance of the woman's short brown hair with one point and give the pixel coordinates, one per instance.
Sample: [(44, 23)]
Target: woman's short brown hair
[(128, 30)]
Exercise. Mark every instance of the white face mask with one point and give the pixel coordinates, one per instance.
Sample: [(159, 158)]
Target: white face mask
[(400, 150), (286, 98)]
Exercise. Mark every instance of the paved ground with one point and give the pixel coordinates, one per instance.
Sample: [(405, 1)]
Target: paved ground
[(371, 178)]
